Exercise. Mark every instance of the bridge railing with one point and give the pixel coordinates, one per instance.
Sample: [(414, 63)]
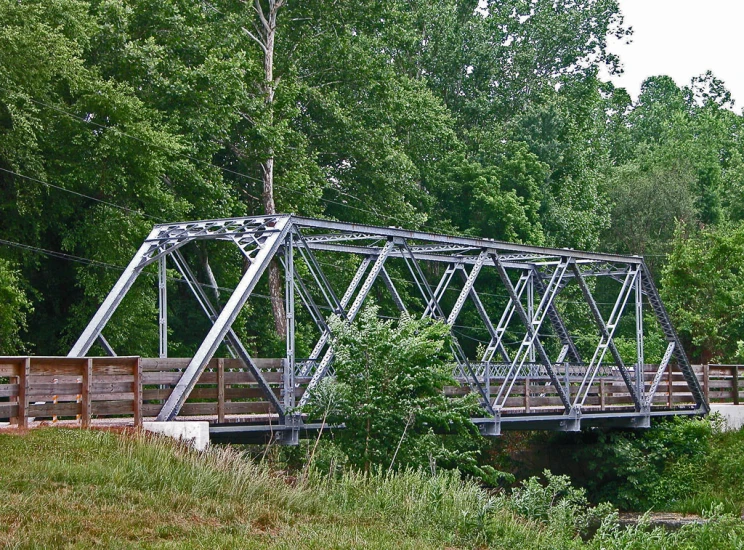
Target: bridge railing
[(83, 389), (224, 390), (62, 388), (533, 388)]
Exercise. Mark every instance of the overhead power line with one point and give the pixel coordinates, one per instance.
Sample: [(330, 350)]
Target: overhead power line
[(91, 122), (83, 195)]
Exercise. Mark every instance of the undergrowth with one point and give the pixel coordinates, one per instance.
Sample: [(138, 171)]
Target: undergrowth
[(74, 488), (679, 465)]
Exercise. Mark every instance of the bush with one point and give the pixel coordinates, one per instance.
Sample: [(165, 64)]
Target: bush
[(720, 531), (389, 393), (14, 306), (659, 468), (562, 507)]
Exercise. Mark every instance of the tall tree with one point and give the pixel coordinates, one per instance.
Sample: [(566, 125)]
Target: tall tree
[(265, 36)]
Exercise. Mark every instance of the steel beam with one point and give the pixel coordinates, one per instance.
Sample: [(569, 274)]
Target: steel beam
[(234, 344), (163, 307), (223, 322), (107, 348), (657, 377), (492, 246), (605, 334), (671, 336), (640, 361), (506, 317), (483, 314), (112, 301), (317, 272), (439, 291), (354, 309), (557, 321), (466, 289), (530, 338), (326, 335), (399, 303), (288, 371)]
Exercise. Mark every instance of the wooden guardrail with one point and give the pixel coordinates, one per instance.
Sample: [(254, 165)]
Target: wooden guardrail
[(70, 388), (720, 383), (86, 388), (223, 389)]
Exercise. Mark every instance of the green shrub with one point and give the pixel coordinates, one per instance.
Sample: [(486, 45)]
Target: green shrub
[(720, 531), (562, 507), (14, 307), (389, 393), (656, 468)]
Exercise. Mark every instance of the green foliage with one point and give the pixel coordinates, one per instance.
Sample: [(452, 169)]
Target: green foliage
[(486, 118), (703, 287), (14, 307), (718, 531), (389, 393), (647, 205), (562, 507), (659, 468), (91, 488)]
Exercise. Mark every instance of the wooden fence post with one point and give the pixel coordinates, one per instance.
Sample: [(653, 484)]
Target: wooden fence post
[(85, 396), (602, 402), (220, 390), (706, 382), (670, 382), (137, 393), (23, 374), (526, 395), (735, 382)]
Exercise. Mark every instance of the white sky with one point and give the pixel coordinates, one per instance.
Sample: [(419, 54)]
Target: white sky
[(682, 39)]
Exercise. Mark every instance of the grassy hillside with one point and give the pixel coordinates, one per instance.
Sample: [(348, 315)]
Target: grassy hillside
[(72, 488)]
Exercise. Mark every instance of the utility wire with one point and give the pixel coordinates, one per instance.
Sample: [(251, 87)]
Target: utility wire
[(88, 121), (83, 195), (88, 261)]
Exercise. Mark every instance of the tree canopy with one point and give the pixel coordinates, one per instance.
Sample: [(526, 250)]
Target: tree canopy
[(482, 118)]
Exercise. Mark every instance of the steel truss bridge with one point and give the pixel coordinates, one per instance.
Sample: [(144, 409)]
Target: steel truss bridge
[(417, 270)]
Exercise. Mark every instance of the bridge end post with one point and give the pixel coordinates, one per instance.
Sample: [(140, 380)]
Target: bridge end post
[(489, 427), (291, 436)]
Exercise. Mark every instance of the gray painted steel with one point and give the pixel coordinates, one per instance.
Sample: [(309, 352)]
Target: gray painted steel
[(400, 262)]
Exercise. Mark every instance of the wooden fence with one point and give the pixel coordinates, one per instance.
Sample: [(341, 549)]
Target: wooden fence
[(224, 388), (70, 388), (60, 388)]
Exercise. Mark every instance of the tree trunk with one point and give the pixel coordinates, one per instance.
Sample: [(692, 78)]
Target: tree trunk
[(265, 34)]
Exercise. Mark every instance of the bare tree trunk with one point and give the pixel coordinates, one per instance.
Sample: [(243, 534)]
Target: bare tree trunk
[(204, 257), (265, 32)]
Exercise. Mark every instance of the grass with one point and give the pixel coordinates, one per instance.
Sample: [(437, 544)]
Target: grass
[(79, 489), (720, 478), (74, 488)]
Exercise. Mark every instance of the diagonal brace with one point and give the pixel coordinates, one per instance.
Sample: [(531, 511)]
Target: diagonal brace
[(393, 291), (235, 346), (326, 335), (483, 314), (606, 335), (224, 322), (531, 334), (556, 320), (354, 309), (606, 338)]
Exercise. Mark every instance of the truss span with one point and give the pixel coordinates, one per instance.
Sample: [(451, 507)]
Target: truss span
[(515, 311)]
